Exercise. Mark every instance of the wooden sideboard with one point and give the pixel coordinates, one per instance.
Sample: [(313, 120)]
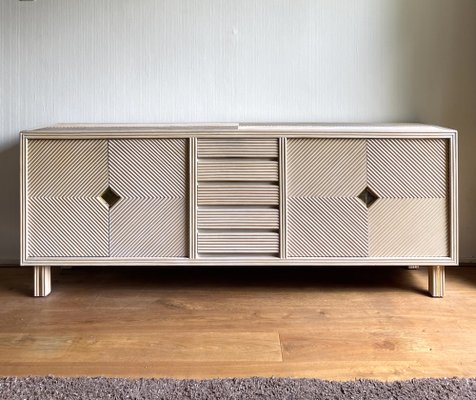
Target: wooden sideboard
[(239, 194)]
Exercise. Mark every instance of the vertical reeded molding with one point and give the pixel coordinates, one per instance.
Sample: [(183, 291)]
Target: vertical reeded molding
[(42, 281), (193, 252), (436, 281), (454, 197), (23, 196), (283, 253)]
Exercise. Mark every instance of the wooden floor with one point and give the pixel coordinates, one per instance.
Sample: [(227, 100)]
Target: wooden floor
[(193, 322)]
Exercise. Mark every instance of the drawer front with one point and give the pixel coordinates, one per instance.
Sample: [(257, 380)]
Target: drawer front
[(241, 148), (238, 218), (237, 194), (238, 242), (238, 197), (237, 170)]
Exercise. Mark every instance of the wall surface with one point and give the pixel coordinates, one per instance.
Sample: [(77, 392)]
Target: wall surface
[(226, 60)]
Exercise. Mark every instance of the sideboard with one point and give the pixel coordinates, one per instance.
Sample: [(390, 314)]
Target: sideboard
[(239, 194)]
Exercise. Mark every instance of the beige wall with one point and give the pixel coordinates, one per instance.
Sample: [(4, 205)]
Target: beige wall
[(226, 60)]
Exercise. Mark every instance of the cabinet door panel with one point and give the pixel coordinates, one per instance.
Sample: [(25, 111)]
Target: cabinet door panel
[(411, 216), (151, 178), (325, 216), (326, 167), (65, 217), (149, 228), (67, 227), (408, 168), (409, 228), (327, 227)]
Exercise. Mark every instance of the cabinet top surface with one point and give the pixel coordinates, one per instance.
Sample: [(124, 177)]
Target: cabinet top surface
[(236, 128)]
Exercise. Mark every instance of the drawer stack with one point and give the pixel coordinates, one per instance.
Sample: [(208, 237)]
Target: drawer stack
[(238, 197)]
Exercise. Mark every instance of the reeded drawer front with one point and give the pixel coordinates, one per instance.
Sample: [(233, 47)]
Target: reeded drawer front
[(238, 197), (238, 242), (238, 218), (241, 148), (237, 170), (237, 194)]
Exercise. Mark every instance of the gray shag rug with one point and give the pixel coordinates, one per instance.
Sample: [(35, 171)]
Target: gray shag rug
[(48, 388)]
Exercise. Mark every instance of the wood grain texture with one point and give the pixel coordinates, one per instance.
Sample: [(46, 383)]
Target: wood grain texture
[(206, 323)]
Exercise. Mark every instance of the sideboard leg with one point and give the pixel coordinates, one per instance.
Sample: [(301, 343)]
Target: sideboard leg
[(436, 281), (42, 282)]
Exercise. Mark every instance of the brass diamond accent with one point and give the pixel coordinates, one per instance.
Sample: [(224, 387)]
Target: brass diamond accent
[(109, 198), (368, 197)]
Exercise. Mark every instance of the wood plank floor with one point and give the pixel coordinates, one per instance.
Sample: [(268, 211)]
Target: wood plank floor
[(338, 324)]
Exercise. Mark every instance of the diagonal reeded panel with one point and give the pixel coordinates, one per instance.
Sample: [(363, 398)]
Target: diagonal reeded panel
[(151, 177), (326, 167), (67, 227), (409, 228), (408, 168), (149, 168), (327, 227), (64, 217), (149, 228), (66, 168)]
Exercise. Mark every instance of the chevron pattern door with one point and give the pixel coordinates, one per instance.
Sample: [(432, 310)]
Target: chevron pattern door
[(368, 198), (325, 216), (64, 179), (150, 176), (107, 198), (411, 179)]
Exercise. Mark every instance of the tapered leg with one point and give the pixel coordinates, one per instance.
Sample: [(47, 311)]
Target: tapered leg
[(436, 281), (42, 283)]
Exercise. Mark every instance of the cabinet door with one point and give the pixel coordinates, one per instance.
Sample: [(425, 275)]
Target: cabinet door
[(411, 216), (368, 198), (64, 216), (326, 218), (150, 179)]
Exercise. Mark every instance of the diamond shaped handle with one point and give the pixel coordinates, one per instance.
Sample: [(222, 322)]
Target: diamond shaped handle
[(368, 197), (109, 198)]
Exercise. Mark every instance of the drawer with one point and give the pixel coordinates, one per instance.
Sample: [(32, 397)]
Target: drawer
[(238, 218), (237, 194), (239, 242), (241, 148), (238, 170)]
